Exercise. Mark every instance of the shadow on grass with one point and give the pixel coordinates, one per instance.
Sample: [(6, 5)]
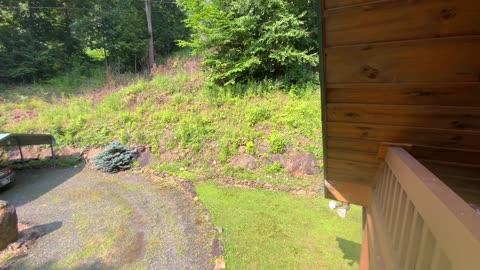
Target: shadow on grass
[(351, 250)]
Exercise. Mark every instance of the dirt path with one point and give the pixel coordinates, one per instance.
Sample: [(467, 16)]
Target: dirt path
[(97, 221)]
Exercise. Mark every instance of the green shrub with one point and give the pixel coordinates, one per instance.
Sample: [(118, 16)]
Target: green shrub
[(115, 158), (276, 167), (256, 115), (193, 132), (251, 149), (277, 143)]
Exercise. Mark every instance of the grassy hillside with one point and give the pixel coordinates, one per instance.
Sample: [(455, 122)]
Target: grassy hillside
[(195, 132), (193, 129)]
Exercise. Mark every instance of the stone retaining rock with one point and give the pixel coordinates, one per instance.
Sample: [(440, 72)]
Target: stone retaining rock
[(244, 161), (303, 164), (8, 224)]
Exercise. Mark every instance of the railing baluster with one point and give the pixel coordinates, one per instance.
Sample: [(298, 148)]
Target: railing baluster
[(399, 218), (424, 258), (412, 250), (437, 252), (389, 195), (411, 234), (386, 180), (407, 229), (392, 205), (381, 184)]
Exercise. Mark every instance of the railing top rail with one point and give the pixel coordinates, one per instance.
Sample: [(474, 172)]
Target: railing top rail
[(455, 225)]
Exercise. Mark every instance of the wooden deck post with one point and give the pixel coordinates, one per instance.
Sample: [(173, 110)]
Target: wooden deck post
[(365, 256)]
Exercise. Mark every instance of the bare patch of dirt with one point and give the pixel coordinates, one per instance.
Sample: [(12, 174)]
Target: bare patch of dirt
[(100, 94), (20, 115), (173, 65)]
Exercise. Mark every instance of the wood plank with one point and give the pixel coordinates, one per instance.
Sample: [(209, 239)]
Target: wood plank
[(419, 61), (442, 117), (444, 94), (348, 192), (465, 156), (353, 165), (343, 3), (352, 156), (353, 145), (406, 135), (364, 255), (452, 169), (401, 20), (361, 178)]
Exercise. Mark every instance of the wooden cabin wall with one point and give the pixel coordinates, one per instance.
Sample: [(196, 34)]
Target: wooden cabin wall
[(402, 71)]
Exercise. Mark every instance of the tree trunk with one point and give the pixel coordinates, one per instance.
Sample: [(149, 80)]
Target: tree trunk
[(148, 11)]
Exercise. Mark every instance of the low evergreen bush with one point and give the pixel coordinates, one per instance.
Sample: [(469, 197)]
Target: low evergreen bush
[(116, 157)]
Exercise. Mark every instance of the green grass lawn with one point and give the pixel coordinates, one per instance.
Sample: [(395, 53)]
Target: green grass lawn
[(266, 230)]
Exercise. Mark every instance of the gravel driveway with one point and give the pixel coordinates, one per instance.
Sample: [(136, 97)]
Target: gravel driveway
[(93, 220)]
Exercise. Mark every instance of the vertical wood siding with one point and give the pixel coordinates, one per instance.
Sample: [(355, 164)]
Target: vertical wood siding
[(406, 72)]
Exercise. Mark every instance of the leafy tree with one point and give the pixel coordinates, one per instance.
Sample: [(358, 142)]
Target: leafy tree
[(251, 39), (39, 38), (34, 42)]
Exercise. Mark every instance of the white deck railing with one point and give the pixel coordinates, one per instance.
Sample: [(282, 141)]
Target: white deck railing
[(416, 222)]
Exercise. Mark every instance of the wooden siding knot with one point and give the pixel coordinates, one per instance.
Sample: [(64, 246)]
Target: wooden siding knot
[(448, 13), (420, 93), (370, 72), (457, 138), (352, 114), (459, 125)]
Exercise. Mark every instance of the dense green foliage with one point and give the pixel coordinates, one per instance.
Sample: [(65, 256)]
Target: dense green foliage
[(253, 40), (39, 38), (116, 157)]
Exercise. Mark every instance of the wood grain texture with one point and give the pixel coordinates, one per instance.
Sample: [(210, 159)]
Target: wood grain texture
[(343, 3), (442, 117), (402, 72), (467, 171), (371, 147), (406, 135), (346, 165), (458, 156), (419, 61), (348, 192), (352, 156), (401, 20), (362, 178), (443, 94)]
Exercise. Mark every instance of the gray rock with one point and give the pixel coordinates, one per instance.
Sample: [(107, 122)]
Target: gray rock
[(217, 248), (303, 164), (244, 161), (280, 159), (146, 158), (8, 224)]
